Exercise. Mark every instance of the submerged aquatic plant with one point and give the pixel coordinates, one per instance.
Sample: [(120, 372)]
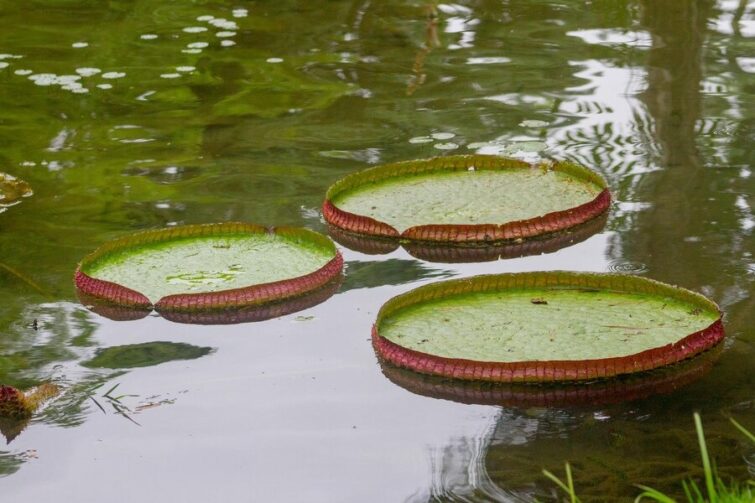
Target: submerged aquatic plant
[(716, 490)]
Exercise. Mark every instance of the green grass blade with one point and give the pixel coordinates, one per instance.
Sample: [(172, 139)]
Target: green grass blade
[(568, 487), (653, 494), (712, 495), (744, 430)]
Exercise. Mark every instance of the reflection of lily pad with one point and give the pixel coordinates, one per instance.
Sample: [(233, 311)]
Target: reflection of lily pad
[(209, 267), (596, 393), (144, 355), (12, 190), (466, 199), (544, 326), (277, 90)]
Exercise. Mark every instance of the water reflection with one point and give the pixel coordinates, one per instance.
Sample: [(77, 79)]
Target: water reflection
[(655, 95)]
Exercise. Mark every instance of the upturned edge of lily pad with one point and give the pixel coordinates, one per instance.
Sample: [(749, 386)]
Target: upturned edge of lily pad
[(491, 233), (546, 370), (223, 300)]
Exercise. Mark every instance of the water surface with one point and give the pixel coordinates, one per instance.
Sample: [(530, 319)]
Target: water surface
[(125, 116)]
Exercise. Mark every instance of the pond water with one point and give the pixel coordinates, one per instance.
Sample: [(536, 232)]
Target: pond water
[(131, 115)]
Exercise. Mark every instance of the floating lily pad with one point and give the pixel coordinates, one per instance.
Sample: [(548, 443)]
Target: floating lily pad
[(466, 199), (144, 355), (544, 326), (12, 190), (582, 394), (213, 267)]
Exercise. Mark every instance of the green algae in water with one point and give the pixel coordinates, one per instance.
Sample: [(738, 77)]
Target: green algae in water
[(543, 324), (145, 355), (467, 197), (208, 264)]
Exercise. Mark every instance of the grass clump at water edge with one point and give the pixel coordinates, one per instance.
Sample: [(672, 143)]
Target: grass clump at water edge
[(715, 490)]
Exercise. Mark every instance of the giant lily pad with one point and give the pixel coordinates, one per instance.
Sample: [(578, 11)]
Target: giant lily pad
[(205, 268), (473, 199), (544, 326), (12, 190)]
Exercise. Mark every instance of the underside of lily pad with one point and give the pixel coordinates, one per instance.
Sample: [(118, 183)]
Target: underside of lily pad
[(204, 268), (475, 199), (544, 326)]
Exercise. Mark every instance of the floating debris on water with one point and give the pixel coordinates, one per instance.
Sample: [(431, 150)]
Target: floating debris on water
[(185, 69), (88, 72), (79, 45), (113, 75), (3, 64), (170, 75), (105, 86), (533, 123), (227, 43), (241, 12), (225, 34), (195, 29), (274, 60), (446, 146), (205, 18), (420, 139), (197, 45), (443, 136), (224, 24), (148, 36)]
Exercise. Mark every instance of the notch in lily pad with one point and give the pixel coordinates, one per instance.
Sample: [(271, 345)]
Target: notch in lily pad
[(544, 327), (211, 269), (472, 200)]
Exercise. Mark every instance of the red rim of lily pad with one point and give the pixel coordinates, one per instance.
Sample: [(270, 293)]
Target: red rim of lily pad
[(546, 370), (450, 253), (584, 394), (489, 233), (222, 300)]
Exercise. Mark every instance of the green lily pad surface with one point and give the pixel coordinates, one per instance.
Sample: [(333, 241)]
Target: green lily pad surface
[(467, 197), (543, 324), (145, 355), (561, 325), (209, 266)]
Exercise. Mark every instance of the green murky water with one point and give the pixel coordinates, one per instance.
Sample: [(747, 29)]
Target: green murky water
[(134, 115)]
